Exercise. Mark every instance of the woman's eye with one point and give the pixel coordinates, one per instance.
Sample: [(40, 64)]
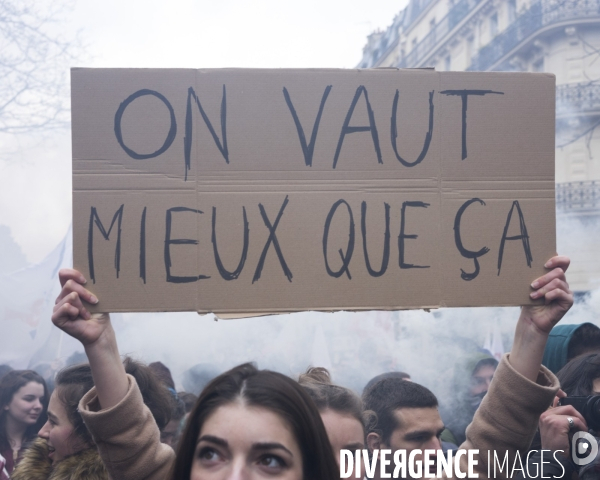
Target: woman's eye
[(272, 462), (208, 454)]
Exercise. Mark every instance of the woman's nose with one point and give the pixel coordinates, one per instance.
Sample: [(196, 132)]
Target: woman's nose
[(44, 431)]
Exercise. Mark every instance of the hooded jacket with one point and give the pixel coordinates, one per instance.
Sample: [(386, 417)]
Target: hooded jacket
[(557, 348), (35, 465), (460, 411)]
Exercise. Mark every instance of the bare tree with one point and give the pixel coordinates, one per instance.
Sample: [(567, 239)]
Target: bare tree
[(35, 57)]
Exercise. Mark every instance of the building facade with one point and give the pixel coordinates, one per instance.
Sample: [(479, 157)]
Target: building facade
[(556, 36)]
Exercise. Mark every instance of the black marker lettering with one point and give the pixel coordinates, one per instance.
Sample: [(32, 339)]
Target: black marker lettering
[(403, 235), (178, 241), (464, 94), (347, 129), (524, 237), (272, 239), (386, 241), (349, 249), (307, 149), (94, 218), (463, 251), (143, 246), (119, 117), (227, 275), (187, 139), (428, 135)]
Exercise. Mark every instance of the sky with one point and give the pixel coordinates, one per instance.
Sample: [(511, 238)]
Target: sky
[(35, 200)]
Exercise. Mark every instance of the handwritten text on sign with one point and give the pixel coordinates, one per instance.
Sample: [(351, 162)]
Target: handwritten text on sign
[(258, 191)]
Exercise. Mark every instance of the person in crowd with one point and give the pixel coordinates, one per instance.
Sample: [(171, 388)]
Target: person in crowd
[(341, 410), (377, 378), (23, 402), (244, 421), (247, 422), (472, 378), (197, 377), (189, 400), (569, 341), (169, 434), (578, 378), (407, 413), (65, 448)]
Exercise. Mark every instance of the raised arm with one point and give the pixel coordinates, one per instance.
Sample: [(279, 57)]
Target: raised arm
[(123, 428), (522, 389), (96, 334), (536, 322)]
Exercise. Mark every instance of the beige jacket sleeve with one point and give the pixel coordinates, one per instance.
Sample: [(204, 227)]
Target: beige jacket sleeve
[(507, 419), (127, 437)]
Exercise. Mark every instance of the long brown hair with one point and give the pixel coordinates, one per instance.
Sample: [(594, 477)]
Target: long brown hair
[(9, 385), (73, 382), (272, 391)]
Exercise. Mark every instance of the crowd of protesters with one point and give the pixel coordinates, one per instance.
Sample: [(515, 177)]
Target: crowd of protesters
[(115, 418)]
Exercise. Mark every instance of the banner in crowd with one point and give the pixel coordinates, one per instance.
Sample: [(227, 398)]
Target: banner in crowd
[(265, 191)]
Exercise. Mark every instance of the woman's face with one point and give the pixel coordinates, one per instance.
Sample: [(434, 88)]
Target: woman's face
[(238, 441), (27, 404), (344, 432), (596, 386), (58, 431)]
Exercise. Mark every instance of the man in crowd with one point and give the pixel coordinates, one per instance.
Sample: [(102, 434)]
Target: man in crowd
[(407, 417), (569, 341), (472, 378)]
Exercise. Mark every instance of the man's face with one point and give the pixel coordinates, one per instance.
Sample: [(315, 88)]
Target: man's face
[(418, 429), (481, 379)]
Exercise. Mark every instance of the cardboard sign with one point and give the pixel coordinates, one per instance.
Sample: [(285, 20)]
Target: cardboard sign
[(264, 191)]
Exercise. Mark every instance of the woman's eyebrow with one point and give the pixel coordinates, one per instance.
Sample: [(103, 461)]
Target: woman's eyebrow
[(271, 446), (53, 417), (212, 439), (354, 446)]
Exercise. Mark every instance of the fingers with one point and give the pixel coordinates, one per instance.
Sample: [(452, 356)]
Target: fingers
[(72, 307), (63, 314), (66, 274), (560, 261), (556, 284), (562, 413), (71, 286), (560, 297)]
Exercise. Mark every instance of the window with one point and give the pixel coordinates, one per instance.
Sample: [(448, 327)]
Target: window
[(470, 50), (431, 24), (447, 63), (512, 10), (493, 25)]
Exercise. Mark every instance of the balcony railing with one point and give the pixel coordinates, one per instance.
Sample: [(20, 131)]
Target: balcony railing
[(578, 196), (437, 33), (577, 98), (541, 14)]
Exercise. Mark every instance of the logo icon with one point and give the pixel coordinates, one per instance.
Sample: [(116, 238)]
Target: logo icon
[(584, 448)]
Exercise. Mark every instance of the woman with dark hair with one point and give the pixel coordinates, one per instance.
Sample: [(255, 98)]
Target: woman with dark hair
[(246, 423), (342, 411), (581, 376), (65, 448), (23, 402)]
